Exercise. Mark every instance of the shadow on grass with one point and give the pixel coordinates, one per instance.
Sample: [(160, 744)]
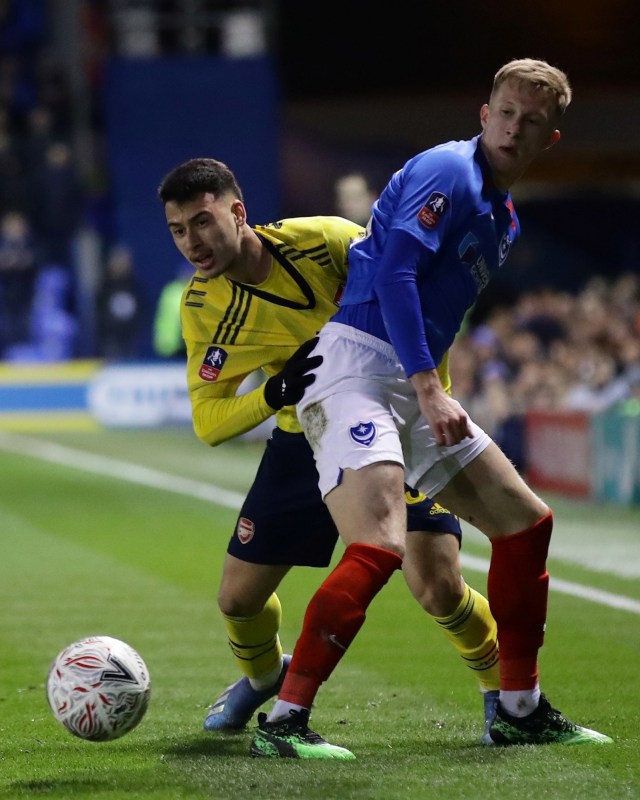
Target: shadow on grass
[(182, 757), (229, 745), (48, 787)]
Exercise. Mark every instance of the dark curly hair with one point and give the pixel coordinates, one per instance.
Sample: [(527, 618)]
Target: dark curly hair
[(196, 176)]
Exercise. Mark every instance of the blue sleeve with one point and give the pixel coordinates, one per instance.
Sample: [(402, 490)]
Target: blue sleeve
[(396, 290)]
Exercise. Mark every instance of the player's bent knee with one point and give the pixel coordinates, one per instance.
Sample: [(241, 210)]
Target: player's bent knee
[(231, 604), (441, 597)]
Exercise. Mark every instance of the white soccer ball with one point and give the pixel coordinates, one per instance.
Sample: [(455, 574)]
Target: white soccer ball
[(98, 688)]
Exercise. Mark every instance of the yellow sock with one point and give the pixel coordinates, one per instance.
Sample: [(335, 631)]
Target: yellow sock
[(254, 641), (473, 632)]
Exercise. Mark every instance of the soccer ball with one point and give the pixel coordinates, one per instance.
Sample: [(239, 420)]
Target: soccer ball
[(98, 688)]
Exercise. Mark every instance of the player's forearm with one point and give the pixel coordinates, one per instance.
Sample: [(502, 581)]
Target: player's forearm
[(446, 417), (405, 327), (397, 293), (215, 420), (428, 385)]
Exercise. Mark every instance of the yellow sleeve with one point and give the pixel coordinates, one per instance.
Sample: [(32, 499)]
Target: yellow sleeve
[(232, 329), (218, 412), (443, 373), (216, 420)]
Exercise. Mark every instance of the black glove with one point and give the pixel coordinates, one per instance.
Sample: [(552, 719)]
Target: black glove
[(287, 387)]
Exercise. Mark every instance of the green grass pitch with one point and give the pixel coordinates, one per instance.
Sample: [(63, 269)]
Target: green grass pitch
[(90, 545)]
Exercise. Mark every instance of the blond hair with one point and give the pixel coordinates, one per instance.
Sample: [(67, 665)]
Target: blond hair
[(540, 75)]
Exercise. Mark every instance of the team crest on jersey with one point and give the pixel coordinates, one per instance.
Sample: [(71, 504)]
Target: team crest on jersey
[(430, 214), (503, 248), (245, 530), (363, 433), (212, 363)]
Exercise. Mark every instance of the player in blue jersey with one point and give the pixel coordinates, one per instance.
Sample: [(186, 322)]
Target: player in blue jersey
[(258, 293), (377, 413)]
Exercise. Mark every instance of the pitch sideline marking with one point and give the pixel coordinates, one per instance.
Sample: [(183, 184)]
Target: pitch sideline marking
[(147, 476), (113, 468), (566, 587)]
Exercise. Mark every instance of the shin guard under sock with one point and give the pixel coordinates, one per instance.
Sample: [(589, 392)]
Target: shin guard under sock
[(472, 631), (518, 588), (254, 641), (334, 616)]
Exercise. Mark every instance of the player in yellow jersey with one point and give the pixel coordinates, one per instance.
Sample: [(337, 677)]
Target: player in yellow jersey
[(256, 301)]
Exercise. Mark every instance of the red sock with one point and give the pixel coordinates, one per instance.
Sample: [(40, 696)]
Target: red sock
[(518, 588), (333, 618)]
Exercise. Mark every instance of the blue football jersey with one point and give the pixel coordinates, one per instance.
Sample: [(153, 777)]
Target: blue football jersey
[(460, 230)]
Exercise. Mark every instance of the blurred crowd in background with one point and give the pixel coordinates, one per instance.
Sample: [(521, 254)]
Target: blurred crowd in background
[(40, 196), (46, 201), (551, 350), (548, 349)]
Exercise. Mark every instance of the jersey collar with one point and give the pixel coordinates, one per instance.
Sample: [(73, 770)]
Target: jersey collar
[(488, 184)]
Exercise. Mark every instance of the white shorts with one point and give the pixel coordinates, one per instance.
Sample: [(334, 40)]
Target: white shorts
[(362, 408)]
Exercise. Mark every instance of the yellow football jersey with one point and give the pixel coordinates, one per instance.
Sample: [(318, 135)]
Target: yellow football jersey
[(232, 329)]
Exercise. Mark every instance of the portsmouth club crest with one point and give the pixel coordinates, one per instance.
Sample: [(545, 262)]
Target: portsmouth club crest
[(503, 248), (363, 433), (212, 363)]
